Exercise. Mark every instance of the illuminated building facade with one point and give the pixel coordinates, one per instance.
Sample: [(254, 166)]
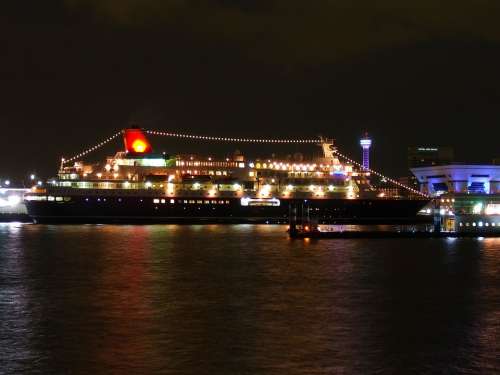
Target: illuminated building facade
[(458, 178)]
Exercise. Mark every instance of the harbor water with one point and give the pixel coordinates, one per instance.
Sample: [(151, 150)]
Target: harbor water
[(244, 299)]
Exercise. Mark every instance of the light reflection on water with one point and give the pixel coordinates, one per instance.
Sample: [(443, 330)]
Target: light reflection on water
[(243, 299)]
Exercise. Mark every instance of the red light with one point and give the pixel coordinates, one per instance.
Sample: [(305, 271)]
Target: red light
[(136, 142)]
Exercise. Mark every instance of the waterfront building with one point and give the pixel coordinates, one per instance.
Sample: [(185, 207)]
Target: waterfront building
[(468, 195), (458, 178), (426, 156)]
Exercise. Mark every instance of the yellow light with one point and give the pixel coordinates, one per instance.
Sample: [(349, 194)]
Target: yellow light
[(139, 146)]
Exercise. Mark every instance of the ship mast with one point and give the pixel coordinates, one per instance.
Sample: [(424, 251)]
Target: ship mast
[(329, 150)]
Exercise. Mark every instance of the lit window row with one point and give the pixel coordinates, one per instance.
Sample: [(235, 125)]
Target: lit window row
[(480, 224), (190, 201)]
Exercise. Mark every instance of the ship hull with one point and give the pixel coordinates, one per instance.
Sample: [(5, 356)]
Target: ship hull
[(78, 209)]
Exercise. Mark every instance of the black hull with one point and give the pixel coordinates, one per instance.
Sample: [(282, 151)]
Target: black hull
[(144, 210)]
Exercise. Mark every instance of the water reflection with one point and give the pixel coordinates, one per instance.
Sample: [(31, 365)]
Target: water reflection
[(243, 299)]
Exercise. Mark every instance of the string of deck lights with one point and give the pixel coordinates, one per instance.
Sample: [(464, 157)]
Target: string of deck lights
[(90, 149), (381, 175), (230, 139), (246, 140)]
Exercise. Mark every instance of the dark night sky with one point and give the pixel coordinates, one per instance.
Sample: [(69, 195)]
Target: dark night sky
[(75, 71)]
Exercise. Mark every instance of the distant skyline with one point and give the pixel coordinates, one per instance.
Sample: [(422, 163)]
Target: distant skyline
[(76, 71)]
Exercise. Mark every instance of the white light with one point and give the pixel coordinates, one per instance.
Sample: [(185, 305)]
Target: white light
[(14, 200), (492, 209), (40, 183), (289, 187), (32, 177), (148, 184), (7, 182), (196, 185), (236, 186)]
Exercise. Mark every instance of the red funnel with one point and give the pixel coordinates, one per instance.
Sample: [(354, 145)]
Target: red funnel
[(136, 142)]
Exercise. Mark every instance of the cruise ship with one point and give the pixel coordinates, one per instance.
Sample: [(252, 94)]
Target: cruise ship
[(138, 185)]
